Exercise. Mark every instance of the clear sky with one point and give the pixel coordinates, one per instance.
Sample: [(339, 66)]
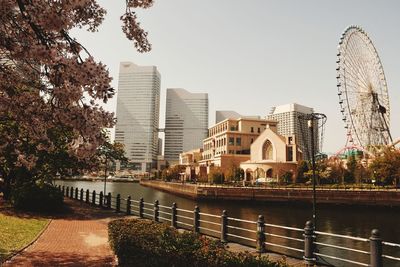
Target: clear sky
[(252, 55)]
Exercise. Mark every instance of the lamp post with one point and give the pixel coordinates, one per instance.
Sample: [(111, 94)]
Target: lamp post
[(105, 177), (106, 154), (311, 127), (315, 121)]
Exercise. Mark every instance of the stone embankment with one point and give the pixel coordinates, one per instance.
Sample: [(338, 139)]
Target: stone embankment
[(281, 194)]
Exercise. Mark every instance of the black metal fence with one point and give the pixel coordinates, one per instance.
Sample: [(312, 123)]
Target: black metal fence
[(308, 244)]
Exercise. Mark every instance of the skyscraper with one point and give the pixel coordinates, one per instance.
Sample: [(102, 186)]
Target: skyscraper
[(289, 124), (221, 115), (138, 108), (186, 122)]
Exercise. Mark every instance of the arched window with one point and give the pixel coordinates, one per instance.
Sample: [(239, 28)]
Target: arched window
[(259, 173), (268, 151)]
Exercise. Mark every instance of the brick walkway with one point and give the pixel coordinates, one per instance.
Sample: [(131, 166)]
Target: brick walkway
[(77, 238)]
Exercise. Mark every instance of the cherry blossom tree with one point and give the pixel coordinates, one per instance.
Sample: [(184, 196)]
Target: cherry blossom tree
[(50, 85)]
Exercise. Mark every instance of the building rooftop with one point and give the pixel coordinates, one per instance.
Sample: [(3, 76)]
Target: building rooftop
[(291, 107), (221, 115)]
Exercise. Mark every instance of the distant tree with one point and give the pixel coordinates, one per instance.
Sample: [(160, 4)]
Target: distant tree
[(50, 87), (301, 170), (232, 172), (110, 153), (350, 172), (336, 174), (216, 175), (386, 166), (172, 173), (287, 177)]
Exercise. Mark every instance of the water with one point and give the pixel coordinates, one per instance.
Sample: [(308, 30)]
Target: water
[(345, 220)]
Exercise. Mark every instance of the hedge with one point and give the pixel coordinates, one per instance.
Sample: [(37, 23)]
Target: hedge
[(33, 197), (139, 242)]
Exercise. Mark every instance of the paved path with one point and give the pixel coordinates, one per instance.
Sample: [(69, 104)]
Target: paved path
[(78, 237)]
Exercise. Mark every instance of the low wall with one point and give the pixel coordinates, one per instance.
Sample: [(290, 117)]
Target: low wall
[(347, 197), (184, 190)]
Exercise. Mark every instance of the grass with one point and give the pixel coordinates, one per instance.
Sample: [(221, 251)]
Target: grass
[(16, 232)]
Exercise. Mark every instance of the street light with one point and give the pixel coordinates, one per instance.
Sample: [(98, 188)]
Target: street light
[(311, 127), (105, 177), (106, 152), (312, 124)]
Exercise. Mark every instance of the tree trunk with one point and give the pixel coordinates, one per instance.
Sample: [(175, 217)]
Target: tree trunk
[(7, 188)]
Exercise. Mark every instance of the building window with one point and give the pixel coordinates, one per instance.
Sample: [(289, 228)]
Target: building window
[(268, 151), (290, 154), (258, 130), (251, 141), (252, 130), (231, 141), (238, 141)]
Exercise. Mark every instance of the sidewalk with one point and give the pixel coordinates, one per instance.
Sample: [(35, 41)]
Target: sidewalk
[(78, 237)]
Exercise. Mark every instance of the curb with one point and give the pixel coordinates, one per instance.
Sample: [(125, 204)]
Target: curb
[(16, 253)]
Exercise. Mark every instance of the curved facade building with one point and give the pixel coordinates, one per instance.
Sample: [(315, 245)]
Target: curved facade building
[(186, 122)]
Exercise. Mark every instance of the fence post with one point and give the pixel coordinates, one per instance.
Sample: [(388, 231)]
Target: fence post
[(260, 234), (196, 219), (94, 197), (63, 190), (156, 209), (173, 215), (309, 238), (101, 199), (76, 192), (375, 249), (71, 193), (141, 206), (81, 197), (109, 200), (128, 206), (118, 204), (224, 227), (87, 195)]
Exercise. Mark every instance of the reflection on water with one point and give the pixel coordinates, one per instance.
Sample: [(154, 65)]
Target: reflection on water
[(354, 221)]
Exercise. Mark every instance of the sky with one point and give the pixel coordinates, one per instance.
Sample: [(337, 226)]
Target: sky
[(252, 55)]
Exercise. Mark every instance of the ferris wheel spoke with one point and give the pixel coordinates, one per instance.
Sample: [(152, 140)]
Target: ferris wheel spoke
[(364, 62), (350, 71), (357, 58), (355, 86)]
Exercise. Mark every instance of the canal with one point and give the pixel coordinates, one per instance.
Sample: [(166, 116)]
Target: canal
[(345, 220)]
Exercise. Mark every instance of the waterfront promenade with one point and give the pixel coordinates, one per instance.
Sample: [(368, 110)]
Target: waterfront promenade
[(77, 238), (80, 238)]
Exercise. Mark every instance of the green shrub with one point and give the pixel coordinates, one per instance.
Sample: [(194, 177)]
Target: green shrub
[(216, 176), (146, 243), (33, 197)]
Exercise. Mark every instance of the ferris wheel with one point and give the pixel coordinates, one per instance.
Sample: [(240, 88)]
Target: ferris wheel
[(362, 90)]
